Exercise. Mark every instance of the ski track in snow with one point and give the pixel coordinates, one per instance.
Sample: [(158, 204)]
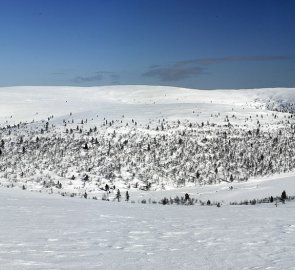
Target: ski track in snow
[(41, 231)]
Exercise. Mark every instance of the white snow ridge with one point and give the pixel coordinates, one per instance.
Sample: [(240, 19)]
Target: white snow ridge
[(146, 177)]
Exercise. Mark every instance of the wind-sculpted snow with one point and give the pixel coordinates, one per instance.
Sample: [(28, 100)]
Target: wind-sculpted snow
[(43, 232)]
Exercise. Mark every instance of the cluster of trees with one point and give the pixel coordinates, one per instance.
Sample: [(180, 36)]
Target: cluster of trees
[(147, 157), (283, 198), (282, 106)]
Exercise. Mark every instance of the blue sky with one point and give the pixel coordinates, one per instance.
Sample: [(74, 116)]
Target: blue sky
[(202, 44)]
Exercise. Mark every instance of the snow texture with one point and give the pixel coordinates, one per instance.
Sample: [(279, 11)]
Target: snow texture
[(42, 231)]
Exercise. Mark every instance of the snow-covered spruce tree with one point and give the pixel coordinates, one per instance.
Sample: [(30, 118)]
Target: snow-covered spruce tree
[(284, 196)]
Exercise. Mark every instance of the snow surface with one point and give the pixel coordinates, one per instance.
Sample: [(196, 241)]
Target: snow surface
[(41, 231), (139, 102)]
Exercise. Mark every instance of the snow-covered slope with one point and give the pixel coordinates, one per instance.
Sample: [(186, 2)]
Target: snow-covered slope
[(28, 103), (77, 139)]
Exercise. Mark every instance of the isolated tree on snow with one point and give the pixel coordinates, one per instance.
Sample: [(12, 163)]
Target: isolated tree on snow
[(127, 196), (284, 196)]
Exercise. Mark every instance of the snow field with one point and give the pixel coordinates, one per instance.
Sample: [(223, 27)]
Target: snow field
[(50, 232)]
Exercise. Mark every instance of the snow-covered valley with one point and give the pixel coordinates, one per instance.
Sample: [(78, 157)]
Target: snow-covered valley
[(89, 144)]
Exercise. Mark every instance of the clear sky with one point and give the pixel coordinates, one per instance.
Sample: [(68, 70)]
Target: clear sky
[(202, 44)]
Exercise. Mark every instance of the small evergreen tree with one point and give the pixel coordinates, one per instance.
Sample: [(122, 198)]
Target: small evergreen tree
[(127, 196), (284, 196), (231, 178), (186, 197)]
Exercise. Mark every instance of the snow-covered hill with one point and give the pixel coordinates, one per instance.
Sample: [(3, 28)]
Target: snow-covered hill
[(74, 140), (39, 102)]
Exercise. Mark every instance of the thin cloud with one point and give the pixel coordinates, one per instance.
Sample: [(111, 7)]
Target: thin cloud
[(174, 73), (216, 60), (85, 79), (182, 70), (98, 76), (114, 77)]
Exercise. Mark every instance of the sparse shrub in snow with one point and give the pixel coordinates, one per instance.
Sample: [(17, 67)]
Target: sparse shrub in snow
[(164, 201), (284, 196)]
